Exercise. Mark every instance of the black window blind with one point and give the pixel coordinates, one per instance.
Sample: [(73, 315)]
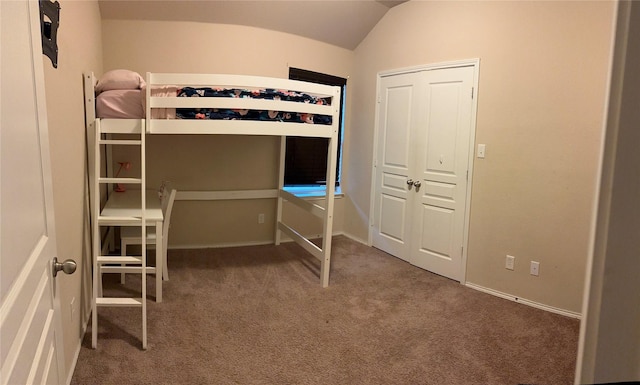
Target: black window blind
[(306, 158)]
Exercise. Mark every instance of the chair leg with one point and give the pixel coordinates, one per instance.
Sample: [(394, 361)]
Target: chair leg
[(165, 267), (99, 280), (123, 252)]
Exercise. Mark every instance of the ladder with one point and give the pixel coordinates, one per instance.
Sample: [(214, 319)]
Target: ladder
[(131, 135)]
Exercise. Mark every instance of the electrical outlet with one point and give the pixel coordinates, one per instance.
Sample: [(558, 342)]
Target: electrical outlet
[(535, 268), (260, 218), (510, 262)]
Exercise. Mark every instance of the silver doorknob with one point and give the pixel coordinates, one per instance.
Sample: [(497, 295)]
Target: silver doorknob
[(417, 184), (410, 182), (68, 266)]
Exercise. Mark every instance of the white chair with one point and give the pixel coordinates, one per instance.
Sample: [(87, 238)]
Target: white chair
[(130, 235)]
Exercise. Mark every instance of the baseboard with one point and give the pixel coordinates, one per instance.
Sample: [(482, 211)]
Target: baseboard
[(285, 239), (220, 245), (354, 238), (566, 313)]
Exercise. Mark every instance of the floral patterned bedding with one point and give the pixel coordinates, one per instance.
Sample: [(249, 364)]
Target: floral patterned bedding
[(237, 114)]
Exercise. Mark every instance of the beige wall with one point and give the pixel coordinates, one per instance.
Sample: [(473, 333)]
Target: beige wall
[(80, 47), (215, 162), (543, 69)]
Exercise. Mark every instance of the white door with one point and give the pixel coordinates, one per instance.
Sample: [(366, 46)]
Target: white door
[(398, 117), (30, 324), (425, 134), (438, 225)]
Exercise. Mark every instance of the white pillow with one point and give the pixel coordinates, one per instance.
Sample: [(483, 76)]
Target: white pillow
[(120, 80)]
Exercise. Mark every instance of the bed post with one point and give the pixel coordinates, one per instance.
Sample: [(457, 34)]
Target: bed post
[(89, 121), (327, 233), (283, 150)]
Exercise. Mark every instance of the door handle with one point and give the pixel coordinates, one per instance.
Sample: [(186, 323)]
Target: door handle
[(417, 184), (68, 266), (410, 182)]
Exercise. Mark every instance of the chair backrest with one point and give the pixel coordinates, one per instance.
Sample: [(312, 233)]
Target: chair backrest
[(167, 207)]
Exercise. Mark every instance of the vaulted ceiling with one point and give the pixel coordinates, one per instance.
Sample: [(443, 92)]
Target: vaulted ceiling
[(344, 23)]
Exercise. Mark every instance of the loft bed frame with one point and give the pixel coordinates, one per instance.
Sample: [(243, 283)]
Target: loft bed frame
[(151, 125)]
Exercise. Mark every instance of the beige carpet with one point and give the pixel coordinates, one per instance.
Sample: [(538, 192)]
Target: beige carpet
[(257, 315)]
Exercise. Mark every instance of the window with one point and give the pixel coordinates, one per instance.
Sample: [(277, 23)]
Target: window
[(306, 158)]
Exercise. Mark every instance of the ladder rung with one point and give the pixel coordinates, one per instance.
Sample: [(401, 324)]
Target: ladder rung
[(118, 259), (121, 126), (119, 221), (123, 217), (126, 269), (119, 302), (120, 180), (123, 142)]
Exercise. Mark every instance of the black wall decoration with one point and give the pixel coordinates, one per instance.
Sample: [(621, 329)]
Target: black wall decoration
[(49, 21)]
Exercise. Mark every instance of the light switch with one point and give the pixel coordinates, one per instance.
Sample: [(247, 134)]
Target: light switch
[(481, 150)]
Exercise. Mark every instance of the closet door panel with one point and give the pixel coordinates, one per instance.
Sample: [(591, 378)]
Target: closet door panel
[(436, 225), (397, 129)]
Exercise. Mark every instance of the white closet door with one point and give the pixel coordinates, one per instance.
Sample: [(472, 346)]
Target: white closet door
[(398, 111), (438, 224), (424, 134)]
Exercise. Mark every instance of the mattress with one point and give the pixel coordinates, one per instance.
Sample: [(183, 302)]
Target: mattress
[(120, 104)]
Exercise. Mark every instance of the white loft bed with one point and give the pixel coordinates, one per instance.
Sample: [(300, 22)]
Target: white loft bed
[(159, 83)]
